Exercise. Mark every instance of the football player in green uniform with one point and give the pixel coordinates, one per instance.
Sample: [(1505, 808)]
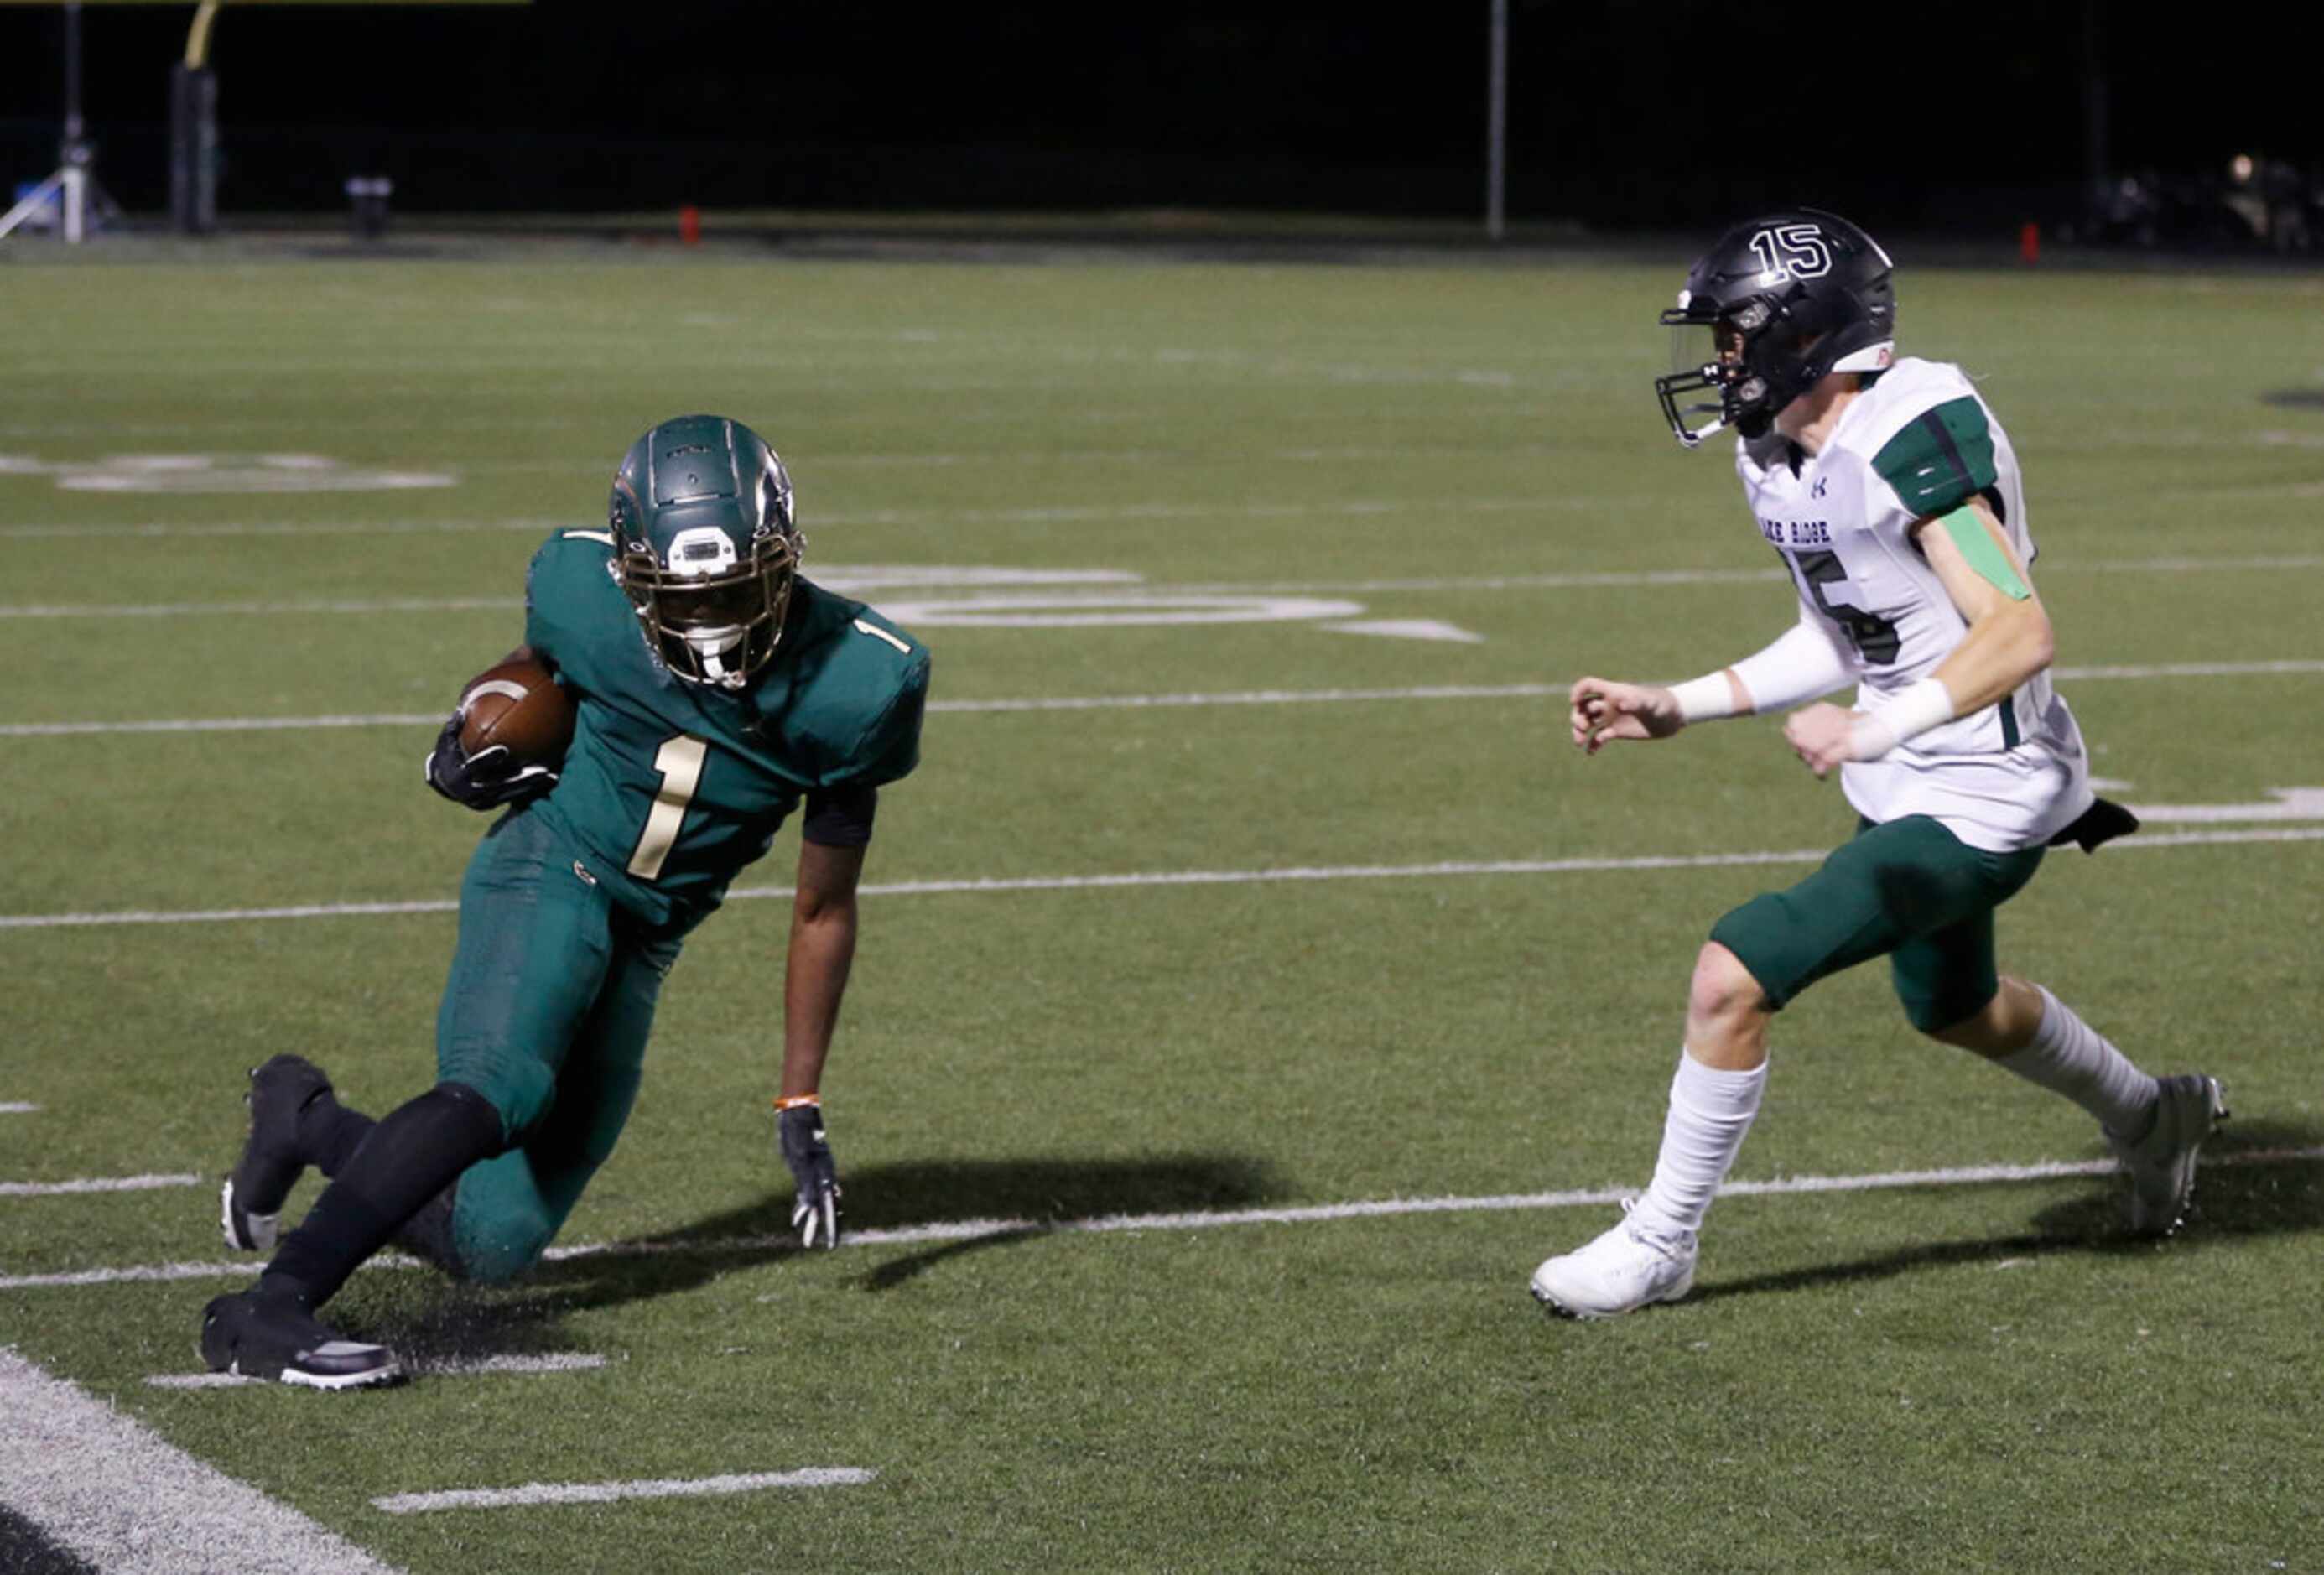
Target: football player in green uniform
[(1892, 497), (716, 690)]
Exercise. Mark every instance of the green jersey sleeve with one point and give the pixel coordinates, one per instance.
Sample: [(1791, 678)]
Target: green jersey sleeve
[(890, 745), (1941, 458), (859, 690), (572, 608)]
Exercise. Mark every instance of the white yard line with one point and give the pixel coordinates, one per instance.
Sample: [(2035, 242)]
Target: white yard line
[(1157, 591), (13, 1108), (1204, 1220), (1191, 698), (606, 1492), (553, 1362), (1039, 514), (109, 1489), (227, 724), (1448, 870), (114, 1184), (1701, 577)]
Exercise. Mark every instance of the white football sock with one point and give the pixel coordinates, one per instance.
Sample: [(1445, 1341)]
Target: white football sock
[(1709, 1112), (2070, 1057)]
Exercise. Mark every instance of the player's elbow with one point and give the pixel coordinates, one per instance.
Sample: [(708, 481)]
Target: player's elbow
[(2019, 639), (2037, 641), (820, 908)]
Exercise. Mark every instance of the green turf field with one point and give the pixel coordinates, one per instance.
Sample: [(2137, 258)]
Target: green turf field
[(344, 469)]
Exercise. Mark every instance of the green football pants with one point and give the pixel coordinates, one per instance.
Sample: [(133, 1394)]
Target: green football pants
[(1907, 889), (546, 1014)]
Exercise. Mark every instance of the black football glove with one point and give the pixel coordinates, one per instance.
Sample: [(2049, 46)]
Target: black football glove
[(486, 779), (815, 1213)]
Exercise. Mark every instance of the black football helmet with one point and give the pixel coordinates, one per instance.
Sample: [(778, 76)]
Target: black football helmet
[(1778, 302), (704, 547)]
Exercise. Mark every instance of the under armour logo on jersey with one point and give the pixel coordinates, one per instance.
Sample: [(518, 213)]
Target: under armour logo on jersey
[(1817, 491)]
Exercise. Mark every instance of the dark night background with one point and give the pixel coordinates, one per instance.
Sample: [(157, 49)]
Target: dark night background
[(1620, 115)]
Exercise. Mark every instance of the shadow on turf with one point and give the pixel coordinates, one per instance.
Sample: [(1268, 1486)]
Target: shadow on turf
[(2282, 1198), (464, 1321)]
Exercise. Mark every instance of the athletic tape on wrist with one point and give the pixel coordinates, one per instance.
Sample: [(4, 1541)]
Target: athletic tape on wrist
[(1704, 699), (1912, 711)]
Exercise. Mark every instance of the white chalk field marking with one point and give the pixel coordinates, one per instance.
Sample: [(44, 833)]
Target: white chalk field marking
[(992, 610), (1145, 607), (1115, 702), (528, 1365), (225, 724), (2299, 803), (266, 609), (110, 1489), (1409, 628), (219, 473), (2042, 1170), (1447, 870), (14, 1107), (607, 1492), (156, 527), (116, 1184)]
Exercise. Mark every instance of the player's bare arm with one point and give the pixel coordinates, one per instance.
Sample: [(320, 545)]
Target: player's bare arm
[(2009, 639), (822, 949), (1799, 663)]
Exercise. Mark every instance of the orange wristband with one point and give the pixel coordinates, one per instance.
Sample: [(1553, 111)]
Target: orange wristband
[(793, 1102)]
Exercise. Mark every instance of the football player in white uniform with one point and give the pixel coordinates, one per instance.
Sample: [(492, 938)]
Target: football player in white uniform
[(1892, 497)]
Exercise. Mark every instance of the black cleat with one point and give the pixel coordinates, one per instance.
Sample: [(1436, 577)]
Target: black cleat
[(250, 1208), (277, 1339)]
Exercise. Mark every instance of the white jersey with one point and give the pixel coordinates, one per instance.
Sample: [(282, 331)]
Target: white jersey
[(1918, 442)]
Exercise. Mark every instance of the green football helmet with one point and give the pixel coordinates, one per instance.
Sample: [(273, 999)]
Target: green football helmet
[(704, 547)]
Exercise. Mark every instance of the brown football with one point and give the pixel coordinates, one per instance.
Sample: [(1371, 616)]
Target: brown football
[(520, 705)]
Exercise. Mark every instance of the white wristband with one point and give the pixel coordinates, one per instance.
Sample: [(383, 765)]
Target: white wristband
[(1704, 699), (1913, 710)]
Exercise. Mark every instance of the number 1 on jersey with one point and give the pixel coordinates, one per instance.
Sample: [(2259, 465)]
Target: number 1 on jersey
[(679, 761)]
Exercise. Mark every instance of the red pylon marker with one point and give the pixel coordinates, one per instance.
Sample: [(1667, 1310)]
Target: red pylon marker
[(2029, 242), (689, 225)]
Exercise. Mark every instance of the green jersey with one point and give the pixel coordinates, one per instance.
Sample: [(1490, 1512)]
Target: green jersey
[(671, 788)]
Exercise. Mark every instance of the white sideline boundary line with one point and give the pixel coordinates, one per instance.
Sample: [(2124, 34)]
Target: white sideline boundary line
[(106, 1487), (1116, 702), (1205, 1220), (114, 1184), (553, 1362), (984, 885), (606, 1492)]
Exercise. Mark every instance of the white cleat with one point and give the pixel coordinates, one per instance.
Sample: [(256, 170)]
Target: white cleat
[(1623, 1270), (2162, 1164)]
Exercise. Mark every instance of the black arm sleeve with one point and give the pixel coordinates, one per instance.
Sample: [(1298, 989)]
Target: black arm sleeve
[(841, 817)]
